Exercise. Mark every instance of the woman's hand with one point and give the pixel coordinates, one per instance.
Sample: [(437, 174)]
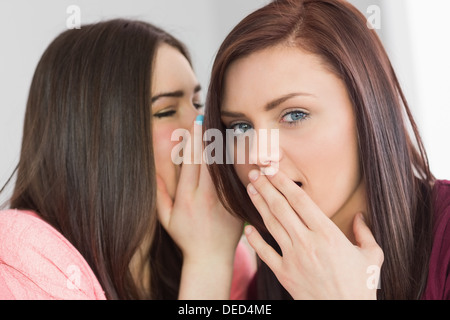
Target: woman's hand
[(318, 261), (206, 233)]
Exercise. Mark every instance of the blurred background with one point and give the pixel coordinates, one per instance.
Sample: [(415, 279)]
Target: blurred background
[(415, 33)]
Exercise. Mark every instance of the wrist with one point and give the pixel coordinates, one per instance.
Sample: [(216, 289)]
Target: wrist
[(206, 277), (216, 260)]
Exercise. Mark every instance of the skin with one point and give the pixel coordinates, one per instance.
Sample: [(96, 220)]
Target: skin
[(316, 199), (187, 205), (172, 74)]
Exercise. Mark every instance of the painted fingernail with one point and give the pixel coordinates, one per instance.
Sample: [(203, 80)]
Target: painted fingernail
[(252, 190), (199, 119), (253, 175)]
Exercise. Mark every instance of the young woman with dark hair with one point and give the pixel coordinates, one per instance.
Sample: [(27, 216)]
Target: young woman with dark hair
[(350, 190), (95, 173)]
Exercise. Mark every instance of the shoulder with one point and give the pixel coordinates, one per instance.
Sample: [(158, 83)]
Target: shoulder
[(441, 197), (438, 286), (37, 262), (244, 270), (441, 208)]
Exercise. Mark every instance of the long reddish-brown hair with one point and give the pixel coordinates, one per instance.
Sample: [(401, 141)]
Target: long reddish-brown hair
[(393, 163), (87, 163)]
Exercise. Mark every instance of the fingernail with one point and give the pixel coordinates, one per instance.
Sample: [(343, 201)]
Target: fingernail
[(248, 230), (252, 189), (269, 171), (199, 119), (253, 175)]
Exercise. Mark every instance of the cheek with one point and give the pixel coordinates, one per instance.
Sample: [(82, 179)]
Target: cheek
[(162, 149), (162, 144), (342, 176), (329, 161), (242, 171)]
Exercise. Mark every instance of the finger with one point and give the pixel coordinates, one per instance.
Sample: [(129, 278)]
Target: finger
[(278, 204), (311, 215), (276, 229), (366, 241), (164, 203), (267, 254), (197, 142), (190, 171), (205, 183)]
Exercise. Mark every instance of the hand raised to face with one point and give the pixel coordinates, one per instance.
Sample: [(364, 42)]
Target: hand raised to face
[(317, 261)]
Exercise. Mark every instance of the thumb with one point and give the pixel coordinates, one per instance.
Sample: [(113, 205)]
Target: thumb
[(164, 203), (366, 241), (363, 236)]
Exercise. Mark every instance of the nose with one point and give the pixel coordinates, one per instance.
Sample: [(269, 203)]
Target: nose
[(264, 149)]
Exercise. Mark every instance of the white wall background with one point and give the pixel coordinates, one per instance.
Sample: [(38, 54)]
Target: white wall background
[(415, 33)]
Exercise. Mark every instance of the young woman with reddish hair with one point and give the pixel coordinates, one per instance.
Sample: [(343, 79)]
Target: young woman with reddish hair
[(352, 190)]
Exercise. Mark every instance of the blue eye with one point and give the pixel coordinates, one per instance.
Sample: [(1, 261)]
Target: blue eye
[(241, 128), (294, 116)]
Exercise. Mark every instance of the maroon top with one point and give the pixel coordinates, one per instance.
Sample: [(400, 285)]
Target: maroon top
[(438, 283)]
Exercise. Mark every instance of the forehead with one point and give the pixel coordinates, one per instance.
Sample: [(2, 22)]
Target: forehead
[(171, 70), (269, 73)]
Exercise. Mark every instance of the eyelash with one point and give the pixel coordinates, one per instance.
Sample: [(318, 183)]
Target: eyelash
[(295, 122), (170, 113), (291, 124), (165, 114)]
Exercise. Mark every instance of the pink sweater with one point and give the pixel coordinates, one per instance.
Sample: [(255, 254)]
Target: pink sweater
[(37, 262)]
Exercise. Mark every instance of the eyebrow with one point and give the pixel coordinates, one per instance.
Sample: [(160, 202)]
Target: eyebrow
[(269, 106), (174, 94)]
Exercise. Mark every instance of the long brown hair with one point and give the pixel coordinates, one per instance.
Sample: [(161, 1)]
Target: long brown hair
[(393, 163), (86, 164)]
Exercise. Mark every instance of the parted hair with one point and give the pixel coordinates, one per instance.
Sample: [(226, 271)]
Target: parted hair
[(393, 162)]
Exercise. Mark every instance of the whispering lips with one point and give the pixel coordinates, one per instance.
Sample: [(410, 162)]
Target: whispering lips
[(298, 183)]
